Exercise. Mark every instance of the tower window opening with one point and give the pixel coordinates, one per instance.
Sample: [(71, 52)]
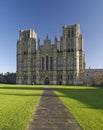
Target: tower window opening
[(72, 50), (68, 50), (25, 52)]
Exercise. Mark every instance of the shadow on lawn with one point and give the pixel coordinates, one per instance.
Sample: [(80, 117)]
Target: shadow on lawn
[(18, 94), (92, 97), (28, 88), (28, 93), (22, 88)]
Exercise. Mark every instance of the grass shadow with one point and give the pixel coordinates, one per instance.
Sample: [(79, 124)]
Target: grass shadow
[(18, 94), (11, 90), (92, 96), (22, 88)]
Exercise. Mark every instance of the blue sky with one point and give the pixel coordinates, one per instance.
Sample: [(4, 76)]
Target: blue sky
[(48, 17)]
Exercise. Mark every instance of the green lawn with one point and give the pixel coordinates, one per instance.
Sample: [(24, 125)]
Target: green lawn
[(85, 103), (17, 105)]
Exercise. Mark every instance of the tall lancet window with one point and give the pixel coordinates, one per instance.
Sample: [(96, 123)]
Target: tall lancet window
[(72, 33), (69, 33), (42, 63), (51, 63), (46, 62)]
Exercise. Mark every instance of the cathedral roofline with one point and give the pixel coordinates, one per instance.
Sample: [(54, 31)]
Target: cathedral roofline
[(70, 26)]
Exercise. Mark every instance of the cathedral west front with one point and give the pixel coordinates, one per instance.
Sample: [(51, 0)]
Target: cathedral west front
[(60, 63)]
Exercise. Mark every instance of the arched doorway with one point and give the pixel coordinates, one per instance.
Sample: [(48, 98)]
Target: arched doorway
[(60, 82), (46, 81)]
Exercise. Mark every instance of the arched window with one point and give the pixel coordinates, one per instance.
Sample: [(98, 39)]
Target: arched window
[(25, 77), (71, 77), (68, 33), (46, 62), (72, 33), (51, 63), (68, 77), (72, 50), (42, 63), (68, 50)]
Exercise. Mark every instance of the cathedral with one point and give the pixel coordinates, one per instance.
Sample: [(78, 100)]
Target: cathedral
[(60, 63)]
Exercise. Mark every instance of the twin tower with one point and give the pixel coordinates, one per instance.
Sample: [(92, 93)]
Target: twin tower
[(60, 63)]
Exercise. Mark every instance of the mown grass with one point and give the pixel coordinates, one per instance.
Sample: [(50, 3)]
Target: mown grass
[(17, 105), (85, 104)]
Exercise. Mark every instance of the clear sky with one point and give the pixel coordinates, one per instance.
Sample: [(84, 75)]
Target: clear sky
[(48, 17)]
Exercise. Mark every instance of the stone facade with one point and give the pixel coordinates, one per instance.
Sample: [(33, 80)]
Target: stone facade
[(60, 63), (89, 76), (8, 78)]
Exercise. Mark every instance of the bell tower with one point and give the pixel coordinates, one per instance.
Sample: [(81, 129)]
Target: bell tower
[(26, 51), (73, 55)]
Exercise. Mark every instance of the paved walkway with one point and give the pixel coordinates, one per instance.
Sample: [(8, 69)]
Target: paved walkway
[(51, 114)]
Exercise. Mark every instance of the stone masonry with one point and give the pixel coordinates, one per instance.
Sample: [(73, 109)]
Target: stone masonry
[(60, 63)]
